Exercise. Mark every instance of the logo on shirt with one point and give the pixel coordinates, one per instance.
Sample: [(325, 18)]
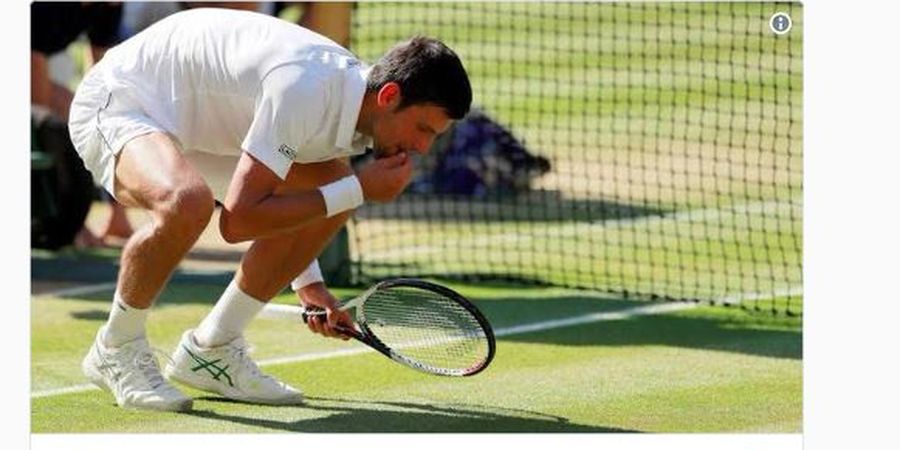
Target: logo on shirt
[(287, 152)]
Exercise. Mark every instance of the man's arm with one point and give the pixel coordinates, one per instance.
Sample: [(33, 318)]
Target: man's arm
[(254, 209)]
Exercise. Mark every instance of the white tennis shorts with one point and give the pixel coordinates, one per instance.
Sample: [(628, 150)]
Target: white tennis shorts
[(101, 122)]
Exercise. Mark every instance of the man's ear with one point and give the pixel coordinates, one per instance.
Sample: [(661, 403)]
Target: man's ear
[(389, 95)]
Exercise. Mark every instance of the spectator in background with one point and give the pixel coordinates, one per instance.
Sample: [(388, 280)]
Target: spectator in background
[(54, 26)]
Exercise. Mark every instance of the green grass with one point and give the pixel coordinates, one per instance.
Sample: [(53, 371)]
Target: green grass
[(699, 370)]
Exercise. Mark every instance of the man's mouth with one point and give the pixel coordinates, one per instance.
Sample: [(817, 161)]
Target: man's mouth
[(382, 153)]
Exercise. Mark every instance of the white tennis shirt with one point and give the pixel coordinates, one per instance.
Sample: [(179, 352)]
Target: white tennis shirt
[(225, 81)]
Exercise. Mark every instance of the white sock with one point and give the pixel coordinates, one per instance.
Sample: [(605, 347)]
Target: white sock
[(126, 323), (228, 318)]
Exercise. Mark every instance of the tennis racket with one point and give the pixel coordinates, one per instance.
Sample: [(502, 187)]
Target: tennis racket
[(422, 325)]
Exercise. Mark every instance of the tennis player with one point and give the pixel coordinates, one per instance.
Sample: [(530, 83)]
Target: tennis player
[(262, 115)]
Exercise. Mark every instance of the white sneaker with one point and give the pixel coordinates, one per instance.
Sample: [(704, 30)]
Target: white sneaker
[(227, 370), (131, 373)]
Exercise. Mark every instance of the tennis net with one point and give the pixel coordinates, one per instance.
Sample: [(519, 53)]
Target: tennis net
[(660, 151)]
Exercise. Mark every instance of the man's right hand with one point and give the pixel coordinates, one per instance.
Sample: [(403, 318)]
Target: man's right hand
[(384, 179), (317, 295)]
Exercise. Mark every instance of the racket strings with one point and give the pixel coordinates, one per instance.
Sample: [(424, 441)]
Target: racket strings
[(427, 327)]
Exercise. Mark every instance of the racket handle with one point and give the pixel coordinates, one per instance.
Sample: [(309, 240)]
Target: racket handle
[(316, 311), (311, 311)]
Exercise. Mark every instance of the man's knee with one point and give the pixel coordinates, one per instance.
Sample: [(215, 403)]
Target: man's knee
[(188, 208)]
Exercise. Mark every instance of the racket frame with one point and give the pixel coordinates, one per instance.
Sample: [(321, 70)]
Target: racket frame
[(366, 336)]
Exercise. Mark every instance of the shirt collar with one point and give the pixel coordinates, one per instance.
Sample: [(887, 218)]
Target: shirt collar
[(354, 89)]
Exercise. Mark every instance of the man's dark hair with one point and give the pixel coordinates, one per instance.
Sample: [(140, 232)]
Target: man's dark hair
[(428, 72)]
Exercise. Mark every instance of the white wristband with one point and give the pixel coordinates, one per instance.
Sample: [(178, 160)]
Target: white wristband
[(311, 275), (342, 195)]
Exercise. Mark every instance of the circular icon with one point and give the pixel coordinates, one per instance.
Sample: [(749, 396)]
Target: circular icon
[(780, 23)]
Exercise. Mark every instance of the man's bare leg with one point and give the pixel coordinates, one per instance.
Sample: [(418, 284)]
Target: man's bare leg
[(151, 174)]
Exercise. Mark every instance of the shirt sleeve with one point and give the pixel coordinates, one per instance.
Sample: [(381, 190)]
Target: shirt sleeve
[(290, 106)]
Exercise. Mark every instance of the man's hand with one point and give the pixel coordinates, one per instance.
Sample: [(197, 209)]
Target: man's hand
[(384, 179), (317, 294)]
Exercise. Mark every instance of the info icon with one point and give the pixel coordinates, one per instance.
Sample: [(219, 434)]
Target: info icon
[(780, 23)]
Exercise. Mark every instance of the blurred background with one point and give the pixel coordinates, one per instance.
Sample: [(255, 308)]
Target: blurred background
[(652, 150)]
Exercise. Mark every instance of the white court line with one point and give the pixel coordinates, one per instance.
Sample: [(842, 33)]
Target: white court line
[(292, 313), (661, 308)]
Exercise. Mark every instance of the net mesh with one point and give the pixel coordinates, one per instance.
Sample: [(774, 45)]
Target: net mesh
[(673, 134), (426, 327)]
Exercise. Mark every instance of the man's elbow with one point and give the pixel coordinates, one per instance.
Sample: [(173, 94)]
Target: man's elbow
[(233, 229)]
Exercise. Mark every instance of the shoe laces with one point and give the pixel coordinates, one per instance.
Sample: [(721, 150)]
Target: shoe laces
[(240, 351), (146, 363)]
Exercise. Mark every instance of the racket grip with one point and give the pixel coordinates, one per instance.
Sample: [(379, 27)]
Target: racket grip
[(311, 311), (316, 311)]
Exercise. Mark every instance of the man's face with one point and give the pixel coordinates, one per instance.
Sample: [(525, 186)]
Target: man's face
[(411, 129)]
